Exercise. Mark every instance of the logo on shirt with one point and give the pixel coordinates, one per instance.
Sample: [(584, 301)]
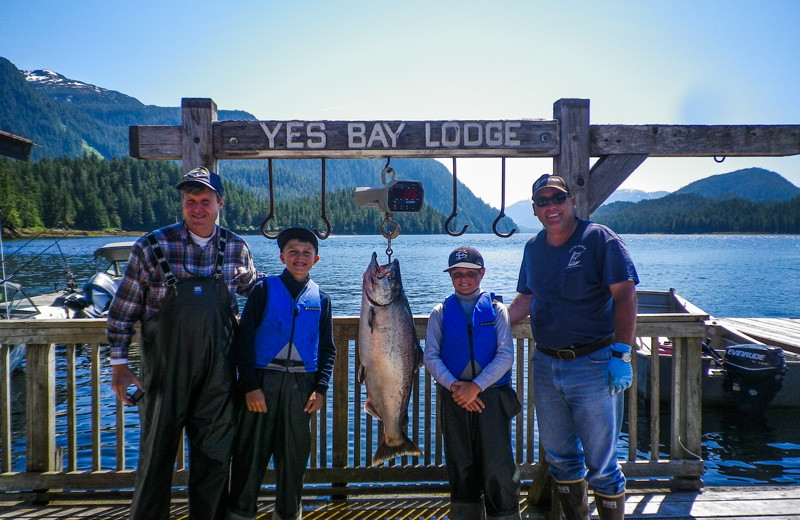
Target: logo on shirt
[(575, 256), (198, 290)]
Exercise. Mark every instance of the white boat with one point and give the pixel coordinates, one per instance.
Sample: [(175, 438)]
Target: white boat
[(91, 301), (721, 384)]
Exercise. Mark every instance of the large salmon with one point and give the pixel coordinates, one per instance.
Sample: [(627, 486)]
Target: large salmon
[(389, 354)]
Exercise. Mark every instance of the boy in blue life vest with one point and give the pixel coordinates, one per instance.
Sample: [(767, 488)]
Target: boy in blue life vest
[(469, 351), (284, 354)]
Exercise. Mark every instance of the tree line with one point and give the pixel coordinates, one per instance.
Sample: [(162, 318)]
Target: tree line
[(91, 193), (691, 213)]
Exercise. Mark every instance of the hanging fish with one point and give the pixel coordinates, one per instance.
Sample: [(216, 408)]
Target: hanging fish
[(390, 355)]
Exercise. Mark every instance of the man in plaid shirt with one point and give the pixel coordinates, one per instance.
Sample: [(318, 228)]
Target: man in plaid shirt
[(181, 283)]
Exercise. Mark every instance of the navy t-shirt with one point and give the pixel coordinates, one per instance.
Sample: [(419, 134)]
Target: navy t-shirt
[(571, 303)]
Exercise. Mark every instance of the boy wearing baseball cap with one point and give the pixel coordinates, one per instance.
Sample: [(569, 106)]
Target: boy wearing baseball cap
[(284, 353), (469, 351)]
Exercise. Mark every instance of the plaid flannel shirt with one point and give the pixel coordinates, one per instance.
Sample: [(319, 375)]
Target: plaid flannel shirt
[(143, 286)]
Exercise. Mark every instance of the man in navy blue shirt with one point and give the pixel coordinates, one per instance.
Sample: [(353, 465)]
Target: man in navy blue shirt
[(578, 284)]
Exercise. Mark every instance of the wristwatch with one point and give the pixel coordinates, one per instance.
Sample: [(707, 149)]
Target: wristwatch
[(624, 356)]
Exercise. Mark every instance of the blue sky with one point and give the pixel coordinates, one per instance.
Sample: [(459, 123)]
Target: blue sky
[(638, 62)]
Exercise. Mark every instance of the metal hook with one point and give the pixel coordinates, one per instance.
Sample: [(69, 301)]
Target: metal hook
[(271, 205), (502, 206), (327, 233), (393, 229), (455, 205), (389, 235), (388, 169)]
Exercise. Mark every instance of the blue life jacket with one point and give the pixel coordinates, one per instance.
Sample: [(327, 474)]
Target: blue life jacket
[(465, 341), (286, 320)]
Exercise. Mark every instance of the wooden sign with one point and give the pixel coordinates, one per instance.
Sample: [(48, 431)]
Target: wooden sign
[(355, 139)]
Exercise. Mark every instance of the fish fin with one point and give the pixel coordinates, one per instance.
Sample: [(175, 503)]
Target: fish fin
[(370, 409), (361, 374), (386, 452)]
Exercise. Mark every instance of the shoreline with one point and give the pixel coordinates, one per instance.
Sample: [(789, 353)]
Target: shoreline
[(62, 233)]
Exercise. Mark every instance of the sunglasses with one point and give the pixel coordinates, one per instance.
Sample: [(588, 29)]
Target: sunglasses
[(555, 200)]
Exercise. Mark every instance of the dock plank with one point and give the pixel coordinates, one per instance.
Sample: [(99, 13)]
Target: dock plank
[(751, 503), (781, 332)]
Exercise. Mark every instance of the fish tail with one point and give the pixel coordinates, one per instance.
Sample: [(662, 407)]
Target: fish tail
[(386, 452)]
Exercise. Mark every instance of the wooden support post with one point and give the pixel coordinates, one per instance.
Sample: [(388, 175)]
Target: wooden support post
[(5, 409), (573, 162), (197, 146), (686, 431), (40, 391)]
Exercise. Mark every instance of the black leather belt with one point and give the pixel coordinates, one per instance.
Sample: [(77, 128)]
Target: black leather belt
[(576, 351), (287, 363)]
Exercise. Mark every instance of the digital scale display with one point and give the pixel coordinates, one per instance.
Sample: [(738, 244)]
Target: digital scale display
[(405, 196), (394, 197)]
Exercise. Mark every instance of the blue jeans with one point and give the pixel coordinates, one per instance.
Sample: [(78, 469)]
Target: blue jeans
[(579, 422)]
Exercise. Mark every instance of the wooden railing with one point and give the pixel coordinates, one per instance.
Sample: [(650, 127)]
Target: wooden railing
[(62, 448)]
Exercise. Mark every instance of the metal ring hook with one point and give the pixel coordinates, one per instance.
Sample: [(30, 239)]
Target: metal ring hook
[(324, 216), (455, 206), (271, 205), (502, 205), (395, 228), (388, 169)]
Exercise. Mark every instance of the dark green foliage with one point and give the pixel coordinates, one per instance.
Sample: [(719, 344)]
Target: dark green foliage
[(750, 183), (691, 213), (67, 118), (91, 193)]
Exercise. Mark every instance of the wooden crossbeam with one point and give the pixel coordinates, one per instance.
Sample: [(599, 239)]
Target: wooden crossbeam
[(695, 140), (568, 139), (357, 139), (251, 141)]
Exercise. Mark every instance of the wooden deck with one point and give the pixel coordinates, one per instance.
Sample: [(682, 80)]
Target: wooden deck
[(756, 503), (781, 332)]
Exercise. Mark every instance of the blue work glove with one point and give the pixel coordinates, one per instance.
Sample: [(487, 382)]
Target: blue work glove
[(620, 374)]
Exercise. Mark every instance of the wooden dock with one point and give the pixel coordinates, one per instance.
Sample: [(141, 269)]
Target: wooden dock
[(756, 503), (781, 332)]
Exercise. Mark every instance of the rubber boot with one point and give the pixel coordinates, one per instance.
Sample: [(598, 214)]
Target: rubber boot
[(466, 511), (574, 499), (610, 508)]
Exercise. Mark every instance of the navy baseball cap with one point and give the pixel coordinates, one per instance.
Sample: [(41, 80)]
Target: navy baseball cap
[(550, 181), (203, 177), (466, 257), (302, 234)]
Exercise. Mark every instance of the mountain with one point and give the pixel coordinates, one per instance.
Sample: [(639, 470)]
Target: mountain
[(66, 117), (627, 195), (522, 213), (753, 200), (750, 183)]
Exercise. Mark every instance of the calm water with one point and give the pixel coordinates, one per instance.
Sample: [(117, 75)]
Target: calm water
[(725, 275)]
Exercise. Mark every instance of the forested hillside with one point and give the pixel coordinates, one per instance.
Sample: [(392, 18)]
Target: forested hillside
[(91, 193), (67, 117), (691, 213)]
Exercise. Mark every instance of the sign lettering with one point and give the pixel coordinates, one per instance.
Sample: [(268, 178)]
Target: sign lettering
[(410, 138)]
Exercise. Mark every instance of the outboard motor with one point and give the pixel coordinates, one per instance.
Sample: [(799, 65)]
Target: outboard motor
[(753, 374), (95, 298)]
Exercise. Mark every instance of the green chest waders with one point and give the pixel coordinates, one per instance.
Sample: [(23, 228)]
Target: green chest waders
[(188, 372)]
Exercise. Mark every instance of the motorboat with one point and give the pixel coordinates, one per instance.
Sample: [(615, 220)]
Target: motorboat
[(91, 301), (738, 370)]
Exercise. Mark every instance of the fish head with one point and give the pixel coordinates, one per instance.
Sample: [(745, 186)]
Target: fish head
[(382, 283)]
